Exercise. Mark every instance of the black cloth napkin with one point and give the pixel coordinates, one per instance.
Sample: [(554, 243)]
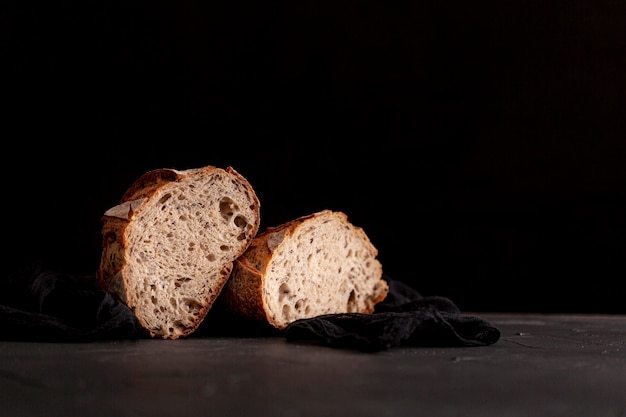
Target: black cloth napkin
[(38, 304)]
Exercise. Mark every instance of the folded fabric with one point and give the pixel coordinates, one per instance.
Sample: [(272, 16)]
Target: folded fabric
[(42, 305)]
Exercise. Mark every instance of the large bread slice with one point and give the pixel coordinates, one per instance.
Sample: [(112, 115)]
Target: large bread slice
[(313, 265), (169, 247)]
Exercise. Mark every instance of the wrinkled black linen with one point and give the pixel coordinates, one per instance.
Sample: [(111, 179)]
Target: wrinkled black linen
[(41, 305)]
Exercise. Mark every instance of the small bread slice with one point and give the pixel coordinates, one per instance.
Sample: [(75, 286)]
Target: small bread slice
[(169, 247), (313, 265)]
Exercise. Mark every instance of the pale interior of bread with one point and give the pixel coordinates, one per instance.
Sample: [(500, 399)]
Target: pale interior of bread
[(181, 248), (326, 266)]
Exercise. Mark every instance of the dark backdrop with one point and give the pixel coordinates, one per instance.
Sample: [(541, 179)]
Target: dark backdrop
[(481, 145)]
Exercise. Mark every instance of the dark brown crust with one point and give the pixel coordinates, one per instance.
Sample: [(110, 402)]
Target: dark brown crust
[(242, 294), (112, 242), (149, 182), (291, 224)]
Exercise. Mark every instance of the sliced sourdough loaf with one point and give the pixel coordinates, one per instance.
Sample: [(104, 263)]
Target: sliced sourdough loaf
[(313, 265), (168, 248)]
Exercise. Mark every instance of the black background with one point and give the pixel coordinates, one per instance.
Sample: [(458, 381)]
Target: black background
[(480, 145)]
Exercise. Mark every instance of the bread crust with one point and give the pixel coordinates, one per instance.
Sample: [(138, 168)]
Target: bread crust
[(246, 294), (123, 234)]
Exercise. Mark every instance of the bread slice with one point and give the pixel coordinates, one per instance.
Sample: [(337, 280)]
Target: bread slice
[(169, 247), (313, 265)]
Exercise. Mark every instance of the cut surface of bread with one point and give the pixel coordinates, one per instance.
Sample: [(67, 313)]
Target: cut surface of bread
[(168, 247), (313, 265)]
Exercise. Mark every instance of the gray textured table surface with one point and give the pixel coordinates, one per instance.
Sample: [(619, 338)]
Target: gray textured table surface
[(543, 365)]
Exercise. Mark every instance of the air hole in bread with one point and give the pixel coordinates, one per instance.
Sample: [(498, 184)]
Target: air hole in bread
[(180, 281), (179, 326), (284, 291), (193, 306), (299, 304), (154, 300), (287, 312), (225, 248), (211, 257), (173, 302), (164, 199), (227, 207), (352, 304), (241, 222)]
